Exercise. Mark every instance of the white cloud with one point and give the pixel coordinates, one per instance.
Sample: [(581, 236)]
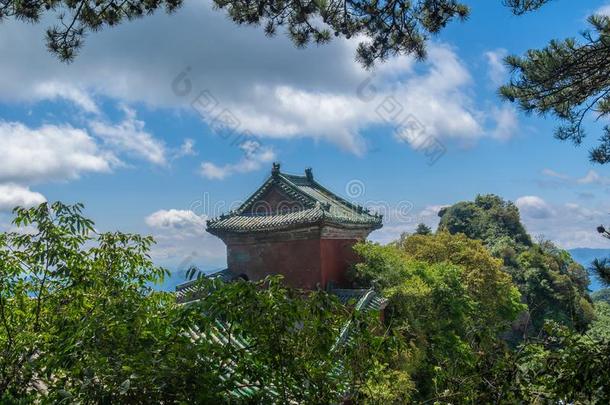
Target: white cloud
[(395, 224), (532, 206), (13, 195), (130, 137), (187, 148), (212, 171), (553, 173), (182, 240), (280, 95), (51, 90), (177, 220), (592, 177), (506, 122), (50, 152), (255, 156), (497, 70), (569, 225)]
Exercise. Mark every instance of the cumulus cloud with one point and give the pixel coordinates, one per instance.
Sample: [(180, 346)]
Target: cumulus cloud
[(50, 90), (496, 69), (255, 156), (13, 195), (569, 225), (182, 240), (532, 206), (129, 137), (396, 223), (281, 94), (176, 220), (50, 152)]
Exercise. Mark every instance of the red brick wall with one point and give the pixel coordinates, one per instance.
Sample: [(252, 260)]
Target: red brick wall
[(302, 257), (336, 256), (297, 260)]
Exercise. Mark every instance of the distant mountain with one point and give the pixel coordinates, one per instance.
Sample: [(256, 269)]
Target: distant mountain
[(585, 256)]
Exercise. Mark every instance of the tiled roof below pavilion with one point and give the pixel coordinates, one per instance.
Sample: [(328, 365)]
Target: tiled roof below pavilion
[(315, 204), (362, 300)]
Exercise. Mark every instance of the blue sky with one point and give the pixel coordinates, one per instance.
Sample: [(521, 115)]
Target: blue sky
[(115, 131)]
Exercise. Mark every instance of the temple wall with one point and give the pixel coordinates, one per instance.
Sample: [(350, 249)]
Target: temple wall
[(336, 257), (308, 258), (297, 260)]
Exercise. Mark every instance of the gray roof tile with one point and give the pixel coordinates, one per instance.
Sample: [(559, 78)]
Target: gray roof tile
[(318, 205)]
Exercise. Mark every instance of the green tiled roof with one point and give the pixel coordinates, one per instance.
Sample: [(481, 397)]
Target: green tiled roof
[(316, 205), (190, 291), (363, 300)]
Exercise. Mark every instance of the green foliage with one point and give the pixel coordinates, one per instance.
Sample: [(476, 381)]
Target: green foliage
[(79, 323), (602, 295), (569, 80), (438, 310), (452, 299), (600, 327), (423, 229), (566, 367), (78, 319), (551, 283), (488, 218), (524, 6), (496, 297), (601, 269), (554, 288)]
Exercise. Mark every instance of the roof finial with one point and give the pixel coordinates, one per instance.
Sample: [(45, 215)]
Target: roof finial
[(275, 169), (309, 174)]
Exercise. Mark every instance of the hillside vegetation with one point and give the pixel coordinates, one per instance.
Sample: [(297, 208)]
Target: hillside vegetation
[(476, 313)]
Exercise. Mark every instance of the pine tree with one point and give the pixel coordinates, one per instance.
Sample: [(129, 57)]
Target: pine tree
[(601, 267), (388, 27), (568, 79)]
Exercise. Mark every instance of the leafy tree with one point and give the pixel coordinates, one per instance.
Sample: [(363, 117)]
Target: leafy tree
[(282, 344), (600, 327), (493, 290), (438, 314), (487, 218), (564, 367), (554, 287), (551, 283), (601, 267)]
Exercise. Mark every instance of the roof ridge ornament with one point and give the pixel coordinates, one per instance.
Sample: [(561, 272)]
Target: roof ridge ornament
[(309, 174), (275, 169)]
